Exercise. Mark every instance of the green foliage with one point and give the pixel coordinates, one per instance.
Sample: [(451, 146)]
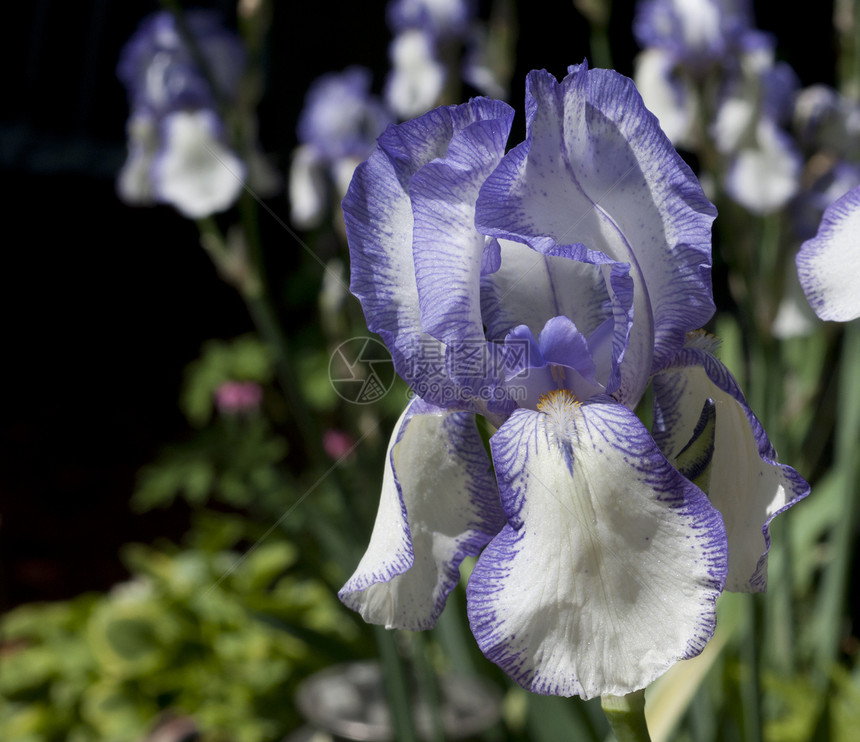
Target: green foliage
[(232, 460), (242, 359), (189, 633)]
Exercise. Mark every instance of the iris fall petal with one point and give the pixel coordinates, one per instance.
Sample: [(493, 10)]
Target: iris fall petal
[(637, 558)]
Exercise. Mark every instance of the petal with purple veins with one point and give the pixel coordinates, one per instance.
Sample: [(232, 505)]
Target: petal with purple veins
[(597, 173), (747, 484), (439, 504), (378, 213), (611, 562)]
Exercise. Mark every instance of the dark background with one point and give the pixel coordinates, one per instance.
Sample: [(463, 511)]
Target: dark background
[(105, 304)]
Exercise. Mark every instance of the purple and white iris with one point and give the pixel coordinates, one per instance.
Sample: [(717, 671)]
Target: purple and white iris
[(827, 126), (433, 41), (337, 129), (180, 151), (544, 288), (828, 262), (703, 62)]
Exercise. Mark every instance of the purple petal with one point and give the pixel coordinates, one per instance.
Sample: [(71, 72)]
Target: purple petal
[(561, 343), (448, 252), (560, 360), (379, 224), (437, 19), (340, 117), (160, 73), (596, 172), (697, 35)]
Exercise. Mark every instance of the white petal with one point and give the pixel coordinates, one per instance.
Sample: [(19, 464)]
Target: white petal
[(747, 485), (195, 172), (439, 504), (765, 176), (828, 265), (669, 100), (416, 79), (794, 318), (609, 568), (308, 188)]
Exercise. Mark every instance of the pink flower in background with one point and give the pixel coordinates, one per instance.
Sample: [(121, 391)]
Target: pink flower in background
[(237, 397), (337, 443)]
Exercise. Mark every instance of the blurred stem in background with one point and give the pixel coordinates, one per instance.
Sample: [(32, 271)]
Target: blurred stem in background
[(597, 13)]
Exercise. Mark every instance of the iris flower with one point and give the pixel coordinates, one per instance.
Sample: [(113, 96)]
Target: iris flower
[(337, 129), (544, 288), (704, 60), (179, 147)]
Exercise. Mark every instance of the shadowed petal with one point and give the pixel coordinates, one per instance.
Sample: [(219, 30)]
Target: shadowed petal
[(531, 288), (439, 504), (608, 569), (747, 485)]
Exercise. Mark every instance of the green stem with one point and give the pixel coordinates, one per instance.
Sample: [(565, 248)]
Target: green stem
[(751, 682), (626, 716), (396, 683), (601, 49), (247, 275), (847, 466), (428, 684)]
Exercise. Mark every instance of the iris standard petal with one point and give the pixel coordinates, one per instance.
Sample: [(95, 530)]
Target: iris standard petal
[(608, 569), (449, 253), (597, 171), (747, 485), (379, 225), (447, 249), (828, 265), (531, 288), (439, 504)]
